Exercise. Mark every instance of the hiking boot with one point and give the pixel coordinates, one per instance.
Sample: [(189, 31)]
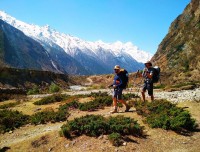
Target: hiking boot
[(113, 111), (127, 108)]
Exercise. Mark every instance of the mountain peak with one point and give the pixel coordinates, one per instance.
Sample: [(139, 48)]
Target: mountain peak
[(97, 57), (67, 41), (4, 16)]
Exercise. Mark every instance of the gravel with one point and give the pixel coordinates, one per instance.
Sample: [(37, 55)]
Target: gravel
[(179, 96)]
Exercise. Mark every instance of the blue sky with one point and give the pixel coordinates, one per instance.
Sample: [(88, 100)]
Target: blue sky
[(142, 22)]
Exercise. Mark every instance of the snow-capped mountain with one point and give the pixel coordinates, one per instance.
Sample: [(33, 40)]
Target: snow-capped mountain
[(20, 51), (96, 57)]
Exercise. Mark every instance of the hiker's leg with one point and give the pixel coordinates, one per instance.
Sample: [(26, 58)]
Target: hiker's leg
[(143, 91), (152, 97), (114, 110), (150, 91), (121, 100), (119, 96), (143, 96), (127, 106), (114, 101)]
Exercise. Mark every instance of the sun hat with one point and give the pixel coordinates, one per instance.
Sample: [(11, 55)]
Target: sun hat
[(148, 62), (117, 67)]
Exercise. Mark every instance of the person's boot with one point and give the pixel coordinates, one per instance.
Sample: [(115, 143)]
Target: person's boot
[(127, 108), (114, 110)]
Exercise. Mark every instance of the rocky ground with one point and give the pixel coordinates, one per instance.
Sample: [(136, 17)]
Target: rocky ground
[(180, 96), (173, 96)]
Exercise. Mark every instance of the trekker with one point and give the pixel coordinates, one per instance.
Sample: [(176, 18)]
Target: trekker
[(148, 83), (118, 88)]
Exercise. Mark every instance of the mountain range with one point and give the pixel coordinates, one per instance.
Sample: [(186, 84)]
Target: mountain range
[(43, 48)]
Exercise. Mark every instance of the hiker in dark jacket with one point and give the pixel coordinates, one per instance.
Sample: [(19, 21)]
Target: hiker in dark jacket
[(148, 83), (118, 88)]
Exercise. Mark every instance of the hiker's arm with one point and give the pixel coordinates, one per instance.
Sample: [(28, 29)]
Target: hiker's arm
[(144, 73), (118, 82), (149, 75), (111, 85)]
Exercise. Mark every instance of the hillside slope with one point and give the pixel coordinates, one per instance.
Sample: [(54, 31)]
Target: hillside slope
[(26, 79), (19, 51), (178, 54)]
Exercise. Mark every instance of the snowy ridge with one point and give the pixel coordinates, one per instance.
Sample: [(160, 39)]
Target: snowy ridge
[(71, 45)]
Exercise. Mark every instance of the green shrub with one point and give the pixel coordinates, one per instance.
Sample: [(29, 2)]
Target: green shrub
[(9, 105), (51, 99), (49, 116), (163, 114), (89, 106), (95, 125), (71, 105), (35, 90), (98, 94), (160, 86), (54, 88), (91, 125), (115, 139), (9, 120), (97, 103), (124, 126), (128, 96)]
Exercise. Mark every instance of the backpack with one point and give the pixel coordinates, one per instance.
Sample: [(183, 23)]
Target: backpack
[(156, 74), (124, 78)]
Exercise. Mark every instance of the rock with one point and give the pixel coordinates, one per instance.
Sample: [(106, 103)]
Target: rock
[(67, 145), (179, 96), (105, 137), (100, 137), (124, 144), (116, 150), (73, 142), (37, 109), (10, 132)]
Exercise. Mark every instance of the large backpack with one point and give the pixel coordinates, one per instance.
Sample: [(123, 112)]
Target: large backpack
[(156, 74), (124, 78)]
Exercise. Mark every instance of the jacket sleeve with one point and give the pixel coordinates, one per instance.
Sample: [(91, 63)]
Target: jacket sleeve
[(118, 81)]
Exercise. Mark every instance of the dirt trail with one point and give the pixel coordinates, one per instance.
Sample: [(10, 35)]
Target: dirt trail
[(26, 133), (175, 96)]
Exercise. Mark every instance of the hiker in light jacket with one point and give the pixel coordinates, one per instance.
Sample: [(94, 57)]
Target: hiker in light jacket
[(148, 83)]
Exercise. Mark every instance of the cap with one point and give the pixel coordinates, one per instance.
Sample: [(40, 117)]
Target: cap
[(117, 67), (148, 62)]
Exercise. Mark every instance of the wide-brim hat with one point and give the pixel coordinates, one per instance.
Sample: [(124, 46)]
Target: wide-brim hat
[(117, 67), (148, 62)]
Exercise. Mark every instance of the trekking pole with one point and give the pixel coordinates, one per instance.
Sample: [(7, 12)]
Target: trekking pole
[(134, 80), (131, 89), (137, 85), (111, 92)]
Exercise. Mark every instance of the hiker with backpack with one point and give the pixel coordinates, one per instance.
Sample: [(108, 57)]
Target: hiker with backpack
[(119, 83), (148, 74)]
